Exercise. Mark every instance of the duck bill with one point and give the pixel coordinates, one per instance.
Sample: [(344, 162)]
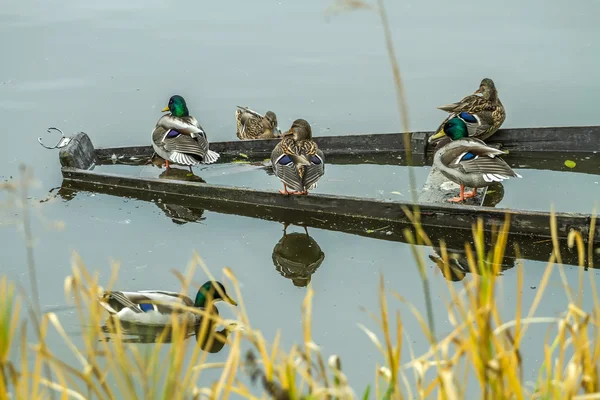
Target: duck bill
[(478, 92), (165, 109), (438, 135), (230, 300)]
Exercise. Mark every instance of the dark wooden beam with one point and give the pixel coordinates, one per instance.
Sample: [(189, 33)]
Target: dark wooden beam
[(184, 209), (326, 206)]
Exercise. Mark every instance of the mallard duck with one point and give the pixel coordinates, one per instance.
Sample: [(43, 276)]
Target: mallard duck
[(155, 307), (297, 256), (252, 125), (179, 138), (482, 112), (297, 160), (469, 161)]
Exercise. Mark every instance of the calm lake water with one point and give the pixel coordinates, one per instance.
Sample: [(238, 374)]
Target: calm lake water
[(107, 68)]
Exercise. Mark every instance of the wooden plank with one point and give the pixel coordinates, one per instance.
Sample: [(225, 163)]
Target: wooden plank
[(584, 139), (325, 206), (183, 209)]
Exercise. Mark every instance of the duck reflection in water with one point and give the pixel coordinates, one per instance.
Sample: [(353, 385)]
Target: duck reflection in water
[(179, 214), (209, 339), (458, 264), (297, 256)]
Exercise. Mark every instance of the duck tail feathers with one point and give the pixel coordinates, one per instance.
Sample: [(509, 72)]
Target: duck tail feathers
[(211, 157)]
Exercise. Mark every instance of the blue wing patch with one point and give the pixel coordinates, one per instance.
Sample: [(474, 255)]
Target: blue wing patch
[(468, 156), (465, 116), (173, 133), (145, 307), (315, 160), (285, 160)]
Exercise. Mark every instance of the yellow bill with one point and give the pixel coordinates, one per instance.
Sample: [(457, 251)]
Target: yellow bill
[(165, 109), (230, 300), (438, 135)]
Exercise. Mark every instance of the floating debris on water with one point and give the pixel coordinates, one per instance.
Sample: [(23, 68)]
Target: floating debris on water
[(570, 164)]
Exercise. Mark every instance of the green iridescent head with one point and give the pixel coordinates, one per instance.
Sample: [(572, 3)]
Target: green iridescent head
[(209, 291), (177, 106), (455, 129)]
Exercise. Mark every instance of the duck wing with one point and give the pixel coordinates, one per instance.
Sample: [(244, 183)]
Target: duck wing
[(248, 124), (472, 156), (251, 112), (184, 149), (143, 301), (471, 104), (184, 125), (316, 167), (284, 167)]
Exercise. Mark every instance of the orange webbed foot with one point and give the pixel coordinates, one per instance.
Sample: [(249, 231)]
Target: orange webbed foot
[(469, 195)]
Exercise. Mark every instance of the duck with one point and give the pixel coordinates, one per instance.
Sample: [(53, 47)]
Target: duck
[(297, 160), (178, 137), (469, 161), (156, 307), (253, 125), (482, 112)]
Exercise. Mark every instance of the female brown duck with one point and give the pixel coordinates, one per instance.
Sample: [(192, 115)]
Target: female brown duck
[(297, 160), (252, 125), (482, 112)]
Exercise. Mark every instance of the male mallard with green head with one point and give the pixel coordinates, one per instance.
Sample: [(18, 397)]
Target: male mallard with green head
[(469, 161), (482, 112), (297, 160), (253, 125), (155, 307), (179, 138)]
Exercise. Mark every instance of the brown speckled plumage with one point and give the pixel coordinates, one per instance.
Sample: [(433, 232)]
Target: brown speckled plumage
[(484, 105), (252, 125), (306, 162)]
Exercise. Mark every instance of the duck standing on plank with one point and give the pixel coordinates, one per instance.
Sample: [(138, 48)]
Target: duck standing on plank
[(179, 138), (482, 112), (297, 160), (155, 307), (253, 125), (469, 161)]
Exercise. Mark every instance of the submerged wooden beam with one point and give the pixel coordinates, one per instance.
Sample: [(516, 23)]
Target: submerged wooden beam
[(183, 209), (325, 206)]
